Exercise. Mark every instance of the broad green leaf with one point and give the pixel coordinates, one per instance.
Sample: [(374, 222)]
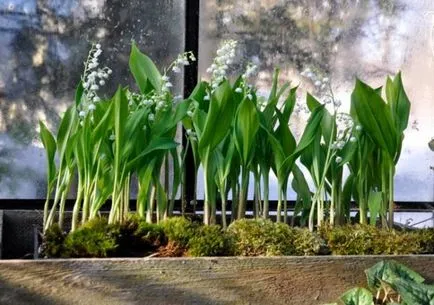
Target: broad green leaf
[(49, 143), (399, 102), (161, 197), (105, 123), (374, 205), (219, 118), (357, 296), (67, 128), (246, 127), (290, 104), (144, 70), (169, 120), (328, 123), (389, 271), (301, 187), (120, 115), (414, 293), (347, 193), (375, 117), (284, 135), (309, 134), (79, 93), (133, 127), (145, 179), (155, 145)]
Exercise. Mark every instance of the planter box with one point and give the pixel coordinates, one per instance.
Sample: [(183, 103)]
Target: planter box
[(228, 280)]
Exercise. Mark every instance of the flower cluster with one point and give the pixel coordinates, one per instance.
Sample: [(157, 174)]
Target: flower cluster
[(92, 79), (320, 82), (183, 59), (344, 125), (219, 67)]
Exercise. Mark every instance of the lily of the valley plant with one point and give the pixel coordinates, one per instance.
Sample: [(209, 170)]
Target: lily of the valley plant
[(236, 135)]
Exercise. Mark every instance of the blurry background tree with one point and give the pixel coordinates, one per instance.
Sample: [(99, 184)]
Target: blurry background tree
[(43, 44)]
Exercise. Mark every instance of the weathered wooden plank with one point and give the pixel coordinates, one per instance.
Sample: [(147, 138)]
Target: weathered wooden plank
[(231, 280)]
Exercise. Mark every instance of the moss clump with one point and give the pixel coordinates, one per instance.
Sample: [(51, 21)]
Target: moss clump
[(366, 240), (260, 237), (96, 238), (179, 230), (309, 243), (139, 238), (426, 240), (210, 241), (53, 242)]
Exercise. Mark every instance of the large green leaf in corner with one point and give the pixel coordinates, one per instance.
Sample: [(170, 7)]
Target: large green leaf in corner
[(414, 293), (144, 71), (357, 296), (389, 271)]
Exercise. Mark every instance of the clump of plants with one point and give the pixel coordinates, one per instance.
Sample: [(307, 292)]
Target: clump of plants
[(211, 241), (390, 283), (369, 240), (426, 240), (139, 238), (53, 242), (261, 237), (179, 236), (96, 238), (234, 134)]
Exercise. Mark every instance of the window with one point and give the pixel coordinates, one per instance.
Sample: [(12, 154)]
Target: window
[(43, 45)]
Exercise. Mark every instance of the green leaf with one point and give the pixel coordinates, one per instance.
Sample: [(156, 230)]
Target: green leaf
[(399, 102), (389, 271), (301, 187), (49, 143), (79, 93), (153, 146), (374, 205), (414, 293), (375, 117), (67, 127), (309, 134), (246, 127), (144, 71), (120, 116), (169, 119), (290, 104), (105, 123), (219, 118), (357, 296)]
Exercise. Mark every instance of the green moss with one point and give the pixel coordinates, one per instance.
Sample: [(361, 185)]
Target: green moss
[(179, 230), (53, 242), (139, 238), (366, 240), (210, 241), (309, 243), (94, 239), (426, 240), (254, 237)]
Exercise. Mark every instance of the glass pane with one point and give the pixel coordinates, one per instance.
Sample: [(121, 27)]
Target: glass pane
[(340, 40), (43, 44)]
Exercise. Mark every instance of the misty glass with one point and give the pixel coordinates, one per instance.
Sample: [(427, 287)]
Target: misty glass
[(340, 40), (43, 44)]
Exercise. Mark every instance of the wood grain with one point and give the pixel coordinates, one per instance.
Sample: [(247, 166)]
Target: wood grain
[(230, 280)]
